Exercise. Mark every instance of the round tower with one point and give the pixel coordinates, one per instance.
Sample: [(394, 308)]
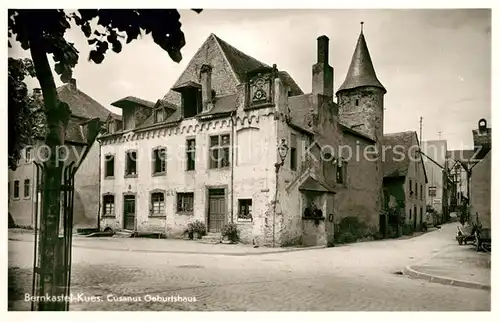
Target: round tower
[(361, 96)]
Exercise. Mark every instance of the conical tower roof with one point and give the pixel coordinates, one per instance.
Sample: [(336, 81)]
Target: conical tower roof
[(361, 72)]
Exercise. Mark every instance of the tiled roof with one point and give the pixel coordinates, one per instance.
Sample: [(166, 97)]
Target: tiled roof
[(311, 184), (81, 104), (224, 104), (361, 71), (396, 165), (242, 63), (132, 99)]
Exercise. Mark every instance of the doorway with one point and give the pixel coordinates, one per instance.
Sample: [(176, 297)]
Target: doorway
[(129, 212), (216, 210)]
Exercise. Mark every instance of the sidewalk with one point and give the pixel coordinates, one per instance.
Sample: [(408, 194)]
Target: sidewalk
[(173, 246), (455, 265)]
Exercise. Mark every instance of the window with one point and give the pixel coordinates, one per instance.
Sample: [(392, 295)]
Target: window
[(191, 153), (191, 101), (416, 190), (219, 151), (421, 192), (159, 160), (421, 215), (27, 187), (410, 214), (411, 187), (341, 171), (432, 191), (131, 163), (159, 115), (157, 203), (293, 152), (8, 189), (109, 170), (16, 189), (357, 102), (185, 201), (245, 209), (108, 202), (28, 155), (111, 127)]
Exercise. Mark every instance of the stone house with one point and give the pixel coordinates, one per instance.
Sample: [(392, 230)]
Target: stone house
[(82, 129), (405, 178), (209, 151)]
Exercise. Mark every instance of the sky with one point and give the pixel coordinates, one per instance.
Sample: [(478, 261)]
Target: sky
[(434, 63)]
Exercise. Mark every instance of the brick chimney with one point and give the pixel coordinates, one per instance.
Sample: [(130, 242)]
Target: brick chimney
[(72, 84), (322, 82), (206, 87)]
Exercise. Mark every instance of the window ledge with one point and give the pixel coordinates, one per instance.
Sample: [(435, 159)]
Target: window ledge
[(185, 213), (130, 176), (16, 198), (161, 216), (244, 220), (27, 198), (108, 217), (221, 168), (109, 178), (191, 171), (158, 174), (313, 218)]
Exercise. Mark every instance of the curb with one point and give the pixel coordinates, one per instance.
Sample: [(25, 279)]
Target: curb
[(411, 272), (188, 252)]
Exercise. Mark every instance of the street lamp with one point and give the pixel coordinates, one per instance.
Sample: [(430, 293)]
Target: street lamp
[(282, 152)]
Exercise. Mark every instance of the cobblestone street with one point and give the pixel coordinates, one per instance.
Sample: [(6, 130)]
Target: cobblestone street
[(354, 277)]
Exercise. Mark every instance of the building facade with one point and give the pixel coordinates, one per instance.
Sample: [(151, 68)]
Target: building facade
[(436, 150), (209, 150), (81, 148), (405, 178)]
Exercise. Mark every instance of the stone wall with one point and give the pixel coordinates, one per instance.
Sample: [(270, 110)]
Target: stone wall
[(361, 195)]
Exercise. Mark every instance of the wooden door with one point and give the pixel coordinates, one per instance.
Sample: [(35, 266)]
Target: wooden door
[(216, 210), (129, 212)]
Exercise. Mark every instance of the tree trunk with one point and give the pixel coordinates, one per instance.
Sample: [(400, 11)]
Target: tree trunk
[(57, 118)]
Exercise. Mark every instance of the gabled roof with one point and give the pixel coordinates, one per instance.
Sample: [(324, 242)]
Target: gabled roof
[(81, 104), (361, 72), (396, 165)]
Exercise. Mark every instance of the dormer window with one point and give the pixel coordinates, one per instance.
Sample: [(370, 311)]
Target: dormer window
[(159, 115), (191, 98), (191, 102), (111, 127)]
